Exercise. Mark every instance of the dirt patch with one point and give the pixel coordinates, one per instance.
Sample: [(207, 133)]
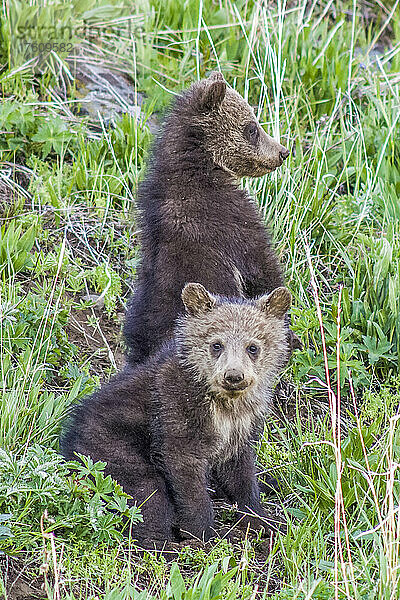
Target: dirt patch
[(98, 338), (22, 579)]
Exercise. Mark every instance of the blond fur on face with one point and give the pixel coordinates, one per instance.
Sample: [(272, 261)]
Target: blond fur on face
[(247, 338), (241, 338)]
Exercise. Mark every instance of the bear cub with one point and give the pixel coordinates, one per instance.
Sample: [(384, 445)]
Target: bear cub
[(187, 417), (196, 223)]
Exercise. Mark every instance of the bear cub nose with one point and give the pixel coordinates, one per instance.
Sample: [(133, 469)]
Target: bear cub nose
[(284, 153), (233, 376)]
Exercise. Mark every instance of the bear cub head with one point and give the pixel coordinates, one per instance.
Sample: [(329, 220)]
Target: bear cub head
[(236, 346), (230, 130)]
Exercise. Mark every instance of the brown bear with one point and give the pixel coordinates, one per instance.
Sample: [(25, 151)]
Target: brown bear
[(196, 223), (168, 427)]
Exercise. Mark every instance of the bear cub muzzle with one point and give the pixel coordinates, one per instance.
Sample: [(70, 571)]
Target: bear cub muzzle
[(188, 416)]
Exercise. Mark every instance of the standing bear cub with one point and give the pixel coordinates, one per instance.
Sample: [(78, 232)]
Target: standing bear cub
[(188, 416), (196, 223)]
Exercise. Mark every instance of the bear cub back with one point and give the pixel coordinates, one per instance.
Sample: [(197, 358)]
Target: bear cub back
[(186, 417)]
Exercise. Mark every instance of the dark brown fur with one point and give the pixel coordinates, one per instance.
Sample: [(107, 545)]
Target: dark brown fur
[(165, 428), (196, 223)]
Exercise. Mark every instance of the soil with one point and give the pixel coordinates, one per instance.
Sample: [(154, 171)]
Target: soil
[(22, 579), (99, 338)]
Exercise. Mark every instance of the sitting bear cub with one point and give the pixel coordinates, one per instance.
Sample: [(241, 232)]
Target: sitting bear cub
[(196, 223), (188, 415)]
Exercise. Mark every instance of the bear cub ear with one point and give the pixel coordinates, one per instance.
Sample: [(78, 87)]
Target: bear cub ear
[(277, 303), (197, 299), (215, 76), (213, 92)]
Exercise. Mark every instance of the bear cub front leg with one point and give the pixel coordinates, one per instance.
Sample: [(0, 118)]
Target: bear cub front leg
[(187, 480), (236, 479)]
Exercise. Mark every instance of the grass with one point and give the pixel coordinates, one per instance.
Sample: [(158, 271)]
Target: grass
[(324, 77)]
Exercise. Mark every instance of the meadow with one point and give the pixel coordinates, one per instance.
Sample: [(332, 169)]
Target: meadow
[(324, 78)]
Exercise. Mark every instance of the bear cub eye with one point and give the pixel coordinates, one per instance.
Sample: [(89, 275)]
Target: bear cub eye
[(252, 349), (251, 132), (217, 347)]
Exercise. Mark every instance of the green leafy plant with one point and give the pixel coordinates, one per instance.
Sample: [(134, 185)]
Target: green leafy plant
[(84, 504), (5, 531), (108, 282), (15, 248), (53, 135)]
